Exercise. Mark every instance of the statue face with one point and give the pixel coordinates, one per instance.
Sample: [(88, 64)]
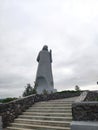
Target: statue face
[(45, 48)]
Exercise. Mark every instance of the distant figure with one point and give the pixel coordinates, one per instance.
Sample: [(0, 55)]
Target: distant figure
[(44, 77)]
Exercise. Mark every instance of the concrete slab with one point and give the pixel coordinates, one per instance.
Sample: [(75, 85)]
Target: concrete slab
[(0, 123), (84, 125)]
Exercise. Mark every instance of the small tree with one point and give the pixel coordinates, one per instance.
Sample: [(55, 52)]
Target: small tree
[(29, 90), (34, 91), (45, 92), (77, 88)]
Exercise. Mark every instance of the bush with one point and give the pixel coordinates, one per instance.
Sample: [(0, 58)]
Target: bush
[(29, 91), (45, 92)]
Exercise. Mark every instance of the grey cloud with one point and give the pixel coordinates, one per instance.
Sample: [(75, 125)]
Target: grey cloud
[(83, 64)]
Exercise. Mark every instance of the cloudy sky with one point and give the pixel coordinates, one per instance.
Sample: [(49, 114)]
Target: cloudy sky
[(68, 27)]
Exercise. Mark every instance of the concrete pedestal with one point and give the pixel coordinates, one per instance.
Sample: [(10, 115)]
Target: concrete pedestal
[(84, 125)]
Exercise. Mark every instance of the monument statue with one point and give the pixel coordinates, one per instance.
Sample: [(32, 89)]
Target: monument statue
[(44, 77)]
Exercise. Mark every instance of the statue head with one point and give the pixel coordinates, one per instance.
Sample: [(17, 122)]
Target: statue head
[(45, 47)]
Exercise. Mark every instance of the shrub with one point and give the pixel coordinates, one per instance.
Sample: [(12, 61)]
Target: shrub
[(8, 100)]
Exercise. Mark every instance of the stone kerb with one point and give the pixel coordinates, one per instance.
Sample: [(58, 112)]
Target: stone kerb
[(82, 97)]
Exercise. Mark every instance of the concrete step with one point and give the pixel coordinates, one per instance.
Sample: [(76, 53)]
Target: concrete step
[(54, 118), (50, 107), (72, 99), (53, 105), (43, 122), (16, 128), (59, 100), (49, 110), (56, 103), (39, 127), (48, 114)]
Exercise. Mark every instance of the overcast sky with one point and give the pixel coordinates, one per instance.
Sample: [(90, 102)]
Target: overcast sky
[(68, 27)]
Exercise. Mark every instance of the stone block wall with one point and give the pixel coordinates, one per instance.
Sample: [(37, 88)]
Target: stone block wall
[(86, 110), (9, 111), (92, 96)]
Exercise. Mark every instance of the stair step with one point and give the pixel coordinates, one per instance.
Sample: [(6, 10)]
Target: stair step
[(49, 110), (50, 107), (53, 103), (46, 117), (16, 128), (59, 101), (43, 122), (39, 127), (48, 114)]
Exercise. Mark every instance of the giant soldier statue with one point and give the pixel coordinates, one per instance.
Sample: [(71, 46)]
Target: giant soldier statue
[(44, 77)]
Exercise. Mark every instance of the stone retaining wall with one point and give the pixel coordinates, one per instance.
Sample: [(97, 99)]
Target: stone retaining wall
[(92, 96), (9, 111), (86, 110)]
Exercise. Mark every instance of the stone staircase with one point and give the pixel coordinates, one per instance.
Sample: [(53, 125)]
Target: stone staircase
[(49, 115)]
